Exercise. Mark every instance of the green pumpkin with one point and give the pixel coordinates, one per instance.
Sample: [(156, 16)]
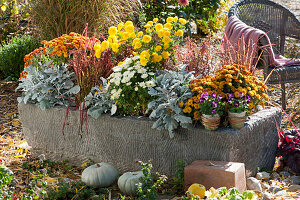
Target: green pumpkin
[(99, 175), (127, 182)]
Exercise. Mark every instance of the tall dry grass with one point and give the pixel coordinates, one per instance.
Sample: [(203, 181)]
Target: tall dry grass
[(56, 17)]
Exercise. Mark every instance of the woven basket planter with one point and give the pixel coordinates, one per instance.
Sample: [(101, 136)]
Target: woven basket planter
[(210, 122), (236, 120)]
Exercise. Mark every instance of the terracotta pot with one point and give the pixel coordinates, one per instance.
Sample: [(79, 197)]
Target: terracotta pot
[(211, 122), (236, 120)]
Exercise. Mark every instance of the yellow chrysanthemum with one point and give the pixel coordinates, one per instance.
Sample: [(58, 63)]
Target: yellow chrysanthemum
[(166, 40), (158, 48), (112, 39), (167, 33), (156, 58), (166, 46), (169, 19), (182, 21), (146, 38), (112, 30), (115, 47), (135, 41), (165, 54), (98, 53), (120, 63), (175, 19), (145, 54), (128, 23), (160, 33), (120, 26), (97, 46), (129, 28), (140, 34), (104, 45), (143, 61), (150, 23), (147, 26), (158, 27), (155, 20), (168, 26), (179, 33), (137, 45)]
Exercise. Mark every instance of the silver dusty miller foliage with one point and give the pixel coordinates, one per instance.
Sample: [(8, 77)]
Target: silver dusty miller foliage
[(98, 101), (171, 88), (48, 85)]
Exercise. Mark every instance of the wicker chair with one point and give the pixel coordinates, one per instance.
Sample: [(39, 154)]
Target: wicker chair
[(278, 22)]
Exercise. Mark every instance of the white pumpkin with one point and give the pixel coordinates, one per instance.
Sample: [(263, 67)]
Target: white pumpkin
[(99, 175), (127, 182)]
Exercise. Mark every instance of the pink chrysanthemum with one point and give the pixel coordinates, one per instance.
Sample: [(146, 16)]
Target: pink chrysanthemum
[(183, 2)]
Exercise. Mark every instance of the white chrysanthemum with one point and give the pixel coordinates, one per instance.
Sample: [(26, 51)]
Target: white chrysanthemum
[(136, 88), (144, 76), (150, 84), (143, 84), (142, 70)]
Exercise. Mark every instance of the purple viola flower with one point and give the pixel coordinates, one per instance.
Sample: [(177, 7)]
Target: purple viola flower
[(248, 100), (236, 104), (201, 100), (244, 103), (230, 96), (204, 96), (248, 97), (220, 97), (213, 111), (213, 95), (214, 104), (241, 94)]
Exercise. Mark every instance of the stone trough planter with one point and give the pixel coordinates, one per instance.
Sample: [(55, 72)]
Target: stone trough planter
[(122, 141)]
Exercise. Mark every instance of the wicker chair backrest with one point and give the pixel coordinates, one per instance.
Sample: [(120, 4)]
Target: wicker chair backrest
[(276, 20)]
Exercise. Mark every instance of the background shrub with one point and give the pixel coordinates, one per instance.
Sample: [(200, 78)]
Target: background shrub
[(12, 55), (195, 10)]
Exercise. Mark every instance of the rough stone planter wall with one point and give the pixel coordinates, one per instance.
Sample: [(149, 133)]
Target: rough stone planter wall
[(122, 141)]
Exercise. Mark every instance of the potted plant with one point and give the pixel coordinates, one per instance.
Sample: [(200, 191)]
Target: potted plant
[(238, 105), (211, 107)]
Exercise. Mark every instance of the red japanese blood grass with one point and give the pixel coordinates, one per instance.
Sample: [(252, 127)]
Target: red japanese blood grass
[(199, 56)]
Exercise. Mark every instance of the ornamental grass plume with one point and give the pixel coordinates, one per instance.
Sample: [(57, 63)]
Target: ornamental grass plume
[(199, 57), (241, 53), (183, 2)]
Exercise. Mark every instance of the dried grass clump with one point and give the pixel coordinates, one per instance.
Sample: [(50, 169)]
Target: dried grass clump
[(54, 18)]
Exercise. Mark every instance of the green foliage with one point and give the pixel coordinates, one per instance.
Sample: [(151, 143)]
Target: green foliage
[(10, 7), (6, 176), (146, 189), (48, 85), (98, 101), (32, 191), (171, 87), (178, 179), (196, 9), (12, 55), (74, 190)]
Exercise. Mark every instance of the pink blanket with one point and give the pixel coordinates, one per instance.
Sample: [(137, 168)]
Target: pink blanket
[(236, 29)]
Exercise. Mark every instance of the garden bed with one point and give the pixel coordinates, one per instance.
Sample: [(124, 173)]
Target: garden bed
[(122, 141)]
